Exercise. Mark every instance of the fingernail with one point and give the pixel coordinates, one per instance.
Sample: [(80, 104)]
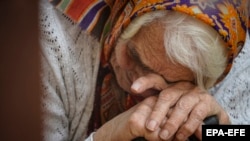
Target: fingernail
[(136, 86), (152, 125), (164, 134)]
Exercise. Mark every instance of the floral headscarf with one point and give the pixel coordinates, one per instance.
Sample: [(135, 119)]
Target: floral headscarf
[(106, 19)]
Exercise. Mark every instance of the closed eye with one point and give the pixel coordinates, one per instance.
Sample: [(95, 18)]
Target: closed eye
[(134, 55)]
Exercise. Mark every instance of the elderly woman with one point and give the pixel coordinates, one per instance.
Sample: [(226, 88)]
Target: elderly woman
[(165, 66)]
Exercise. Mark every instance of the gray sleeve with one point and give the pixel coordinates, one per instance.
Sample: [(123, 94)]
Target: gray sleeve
[(69, 59), (233, 93)]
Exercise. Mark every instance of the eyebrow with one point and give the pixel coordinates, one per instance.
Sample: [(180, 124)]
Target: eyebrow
[(133, 53)]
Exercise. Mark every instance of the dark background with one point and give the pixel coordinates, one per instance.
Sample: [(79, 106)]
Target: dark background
[(20, 114)]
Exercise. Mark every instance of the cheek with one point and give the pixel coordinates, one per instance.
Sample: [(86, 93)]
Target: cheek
[(123, 58), (122, 78), (119, 64)]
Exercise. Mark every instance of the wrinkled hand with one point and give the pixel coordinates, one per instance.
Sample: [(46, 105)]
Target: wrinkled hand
[(184, 104), (130, 124)]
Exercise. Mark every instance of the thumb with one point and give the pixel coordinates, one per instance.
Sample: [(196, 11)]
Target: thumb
[(149, 81)]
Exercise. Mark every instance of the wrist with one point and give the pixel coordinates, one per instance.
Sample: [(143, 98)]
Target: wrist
[(100, 135)]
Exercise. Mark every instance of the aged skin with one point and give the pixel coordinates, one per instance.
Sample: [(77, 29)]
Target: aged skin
[(173, 107), (144, 54)]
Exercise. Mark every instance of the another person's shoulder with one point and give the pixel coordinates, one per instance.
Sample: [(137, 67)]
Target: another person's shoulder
[(239, 75)]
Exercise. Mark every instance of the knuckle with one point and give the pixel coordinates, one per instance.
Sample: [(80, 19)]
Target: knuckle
[(135, 124), (166, 96), (172, 124), (142, 110), (139, 115), (198, 115), (188, 129), (185, 103), (207, 97), (133, 120), (142, 80), (135, 127), (149, 100)]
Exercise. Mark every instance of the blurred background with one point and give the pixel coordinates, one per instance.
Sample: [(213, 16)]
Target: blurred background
[(20, 113)]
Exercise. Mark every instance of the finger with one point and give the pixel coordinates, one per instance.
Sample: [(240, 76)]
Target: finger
[(212, 107), (170, 111), (222, 115), (131, 122), (139, 116), (198, 132), (179, 115), (163, 122), (194, 121), (197, 136), (152, 136), (147, 82), (188, 130), (166, 99)]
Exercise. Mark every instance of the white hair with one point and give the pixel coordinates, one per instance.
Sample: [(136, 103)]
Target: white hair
[(189, 42)]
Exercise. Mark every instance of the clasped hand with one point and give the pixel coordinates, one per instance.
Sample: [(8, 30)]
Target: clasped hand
[(175, 113)]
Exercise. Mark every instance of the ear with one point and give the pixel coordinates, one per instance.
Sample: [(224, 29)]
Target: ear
[(123, 58)]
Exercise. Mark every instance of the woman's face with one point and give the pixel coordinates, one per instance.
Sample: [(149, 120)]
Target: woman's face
[(144, 54)]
